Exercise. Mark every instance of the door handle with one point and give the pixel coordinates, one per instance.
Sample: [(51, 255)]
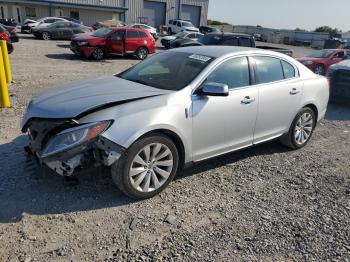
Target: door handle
[(294, 91), (247, 100)]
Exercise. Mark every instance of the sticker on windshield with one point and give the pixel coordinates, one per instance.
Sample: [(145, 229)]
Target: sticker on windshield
[(200, 58)]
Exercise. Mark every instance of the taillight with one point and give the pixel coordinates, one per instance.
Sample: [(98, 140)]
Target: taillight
[(90, 29), (13, 31), (4, 36)]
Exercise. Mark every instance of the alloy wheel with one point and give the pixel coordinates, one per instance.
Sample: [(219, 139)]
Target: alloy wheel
[(142, 53), (98, 54), (151, 167), (319, 70), (46, 36), (303, 128)]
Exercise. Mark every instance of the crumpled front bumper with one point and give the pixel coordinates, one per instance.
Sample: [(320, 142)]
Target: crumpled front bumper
[(96, 152)]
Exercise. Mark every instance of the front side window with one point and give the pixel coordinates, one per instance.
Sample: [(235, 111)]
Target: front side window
[(210, 40), (168, 70), (288, 70), (340, 54), (321, 54), (117, 36), (234, 73), (268, 69), (101, 32)]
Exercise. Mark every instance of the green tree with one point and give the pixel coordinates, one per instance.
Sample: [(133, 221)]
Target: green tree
[(215, 22), (327, 29)]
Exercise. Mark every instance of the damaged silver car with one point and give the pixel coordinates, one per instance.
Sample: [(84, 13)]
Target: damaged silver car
[(173, 109)]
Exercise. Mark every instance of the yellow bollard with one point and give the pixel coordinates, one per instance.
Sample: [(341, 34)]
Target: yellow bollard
[(4, 94), (5, 57)]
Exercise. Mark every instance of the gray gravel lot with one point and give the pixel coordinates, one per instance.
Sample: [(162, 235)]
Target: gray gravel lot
[(266, 203)]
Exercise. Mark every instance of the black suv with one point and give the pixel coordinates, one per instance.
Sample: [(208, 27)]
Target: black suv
[(226, 39)]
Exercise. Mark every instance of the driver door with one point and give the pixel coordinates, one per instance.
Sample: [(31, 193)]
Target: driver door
[(223, 124), (115, 42)]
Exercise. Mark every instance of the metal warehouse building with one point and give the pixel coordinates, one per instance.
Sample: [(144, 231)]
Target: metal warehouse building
[(154, 13)]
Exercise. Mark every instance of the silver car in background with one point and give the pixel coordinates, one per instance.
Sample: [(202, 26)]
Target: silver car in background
[(173, 109)]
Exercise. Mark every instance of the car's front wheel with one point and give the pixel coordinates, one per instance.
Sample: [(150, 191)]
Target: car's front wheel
[(319, 70), (97, 54), (301, 129), (147, 167), (46, 36)]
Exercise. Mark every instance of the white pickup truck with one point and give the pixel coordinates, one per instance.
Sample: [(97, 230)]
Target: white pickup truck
[(176, 26)]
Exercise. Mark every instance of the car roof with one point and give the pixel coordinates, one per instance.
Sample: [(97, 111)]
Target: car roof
[(228, 34), (220, 51)]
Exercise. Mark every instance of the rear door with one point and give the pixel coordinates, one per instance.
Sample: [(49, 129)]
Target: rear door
[(66, 30), (280, 91), (115, 42), (132, 41)]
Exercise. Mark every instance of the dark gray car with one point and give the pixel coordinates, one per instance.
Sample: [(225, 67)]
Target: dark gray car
[(60, 30)]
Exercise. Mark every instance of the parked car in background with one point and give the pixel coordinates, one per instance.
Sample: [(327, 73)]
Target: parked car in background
[(176, 26), (183, 42), (150, 29), (27, 26), (225, 39), (208, 29), (232, 39), (339, 76), (114, 41), (108, 23), (41, 23), (320, 61), (5, 35), (13, 33), (166, 40), (8, 21), (77, 21), (60, 30), (174, 109)]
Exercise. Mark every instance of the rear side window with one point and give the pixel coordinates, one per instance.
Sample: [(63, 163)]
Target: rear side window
[(142, 34), (231, 42), (268, 69), (132, 34), (245, 42), (234, 73), (288, 70)]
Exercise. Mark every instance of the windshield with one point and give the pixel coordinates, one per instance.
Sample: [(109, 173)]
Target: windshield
[(168, 71), (187, 24), (209, 40), (321, 54), (102, 32), (181, 34)]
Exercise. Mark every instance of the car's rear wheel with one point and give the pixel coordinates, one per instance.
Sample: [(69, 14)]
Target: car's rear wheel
[(147, 167), (142, 53), (46, 36), (97, 54), (301, 129), (319, 69)]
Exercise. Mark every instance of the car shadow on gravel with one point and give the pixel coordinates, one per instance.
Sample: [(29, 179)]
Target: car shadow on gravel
[(74, 57), (27, 189)]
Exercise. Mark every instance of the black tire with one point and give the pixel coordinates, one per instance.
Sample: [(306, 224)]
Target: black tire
[(320, 70), (97, 54), (142, 53), (46, 36), (290, 139), (120, 170)]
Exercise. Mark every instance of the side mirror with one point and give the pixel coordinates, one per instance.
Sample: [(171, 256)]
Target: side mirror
[(214, 89)]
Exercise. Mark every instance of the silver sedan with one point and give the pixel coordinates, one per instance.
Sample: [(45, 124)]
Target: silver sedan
[(174, 109)]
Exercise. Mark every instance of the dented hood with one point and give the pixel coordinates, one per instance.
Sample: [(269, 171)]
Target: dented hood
[(73, 99)]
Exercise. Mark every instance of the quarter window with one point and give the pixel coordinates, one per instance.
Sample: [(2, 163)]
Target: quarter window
[(234, 73), (245, 42), (268, 69), (288, 70)]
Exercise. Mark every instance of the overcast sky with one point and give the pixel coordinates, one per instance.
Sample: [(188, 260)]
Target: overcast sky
[(283, 14)]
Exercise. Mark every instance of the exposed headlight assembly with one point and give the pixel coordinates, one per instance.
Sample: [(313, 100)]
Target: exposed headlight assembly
[(75, 136), (82, 43), (308, 62)]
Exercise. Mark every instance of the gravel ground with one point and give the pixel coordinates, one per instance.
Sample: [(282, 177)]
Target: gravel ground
[(265, 203)]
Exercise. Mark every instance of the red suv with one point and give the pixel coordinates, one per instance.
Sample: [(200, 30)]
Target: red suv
[(114, 41)]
